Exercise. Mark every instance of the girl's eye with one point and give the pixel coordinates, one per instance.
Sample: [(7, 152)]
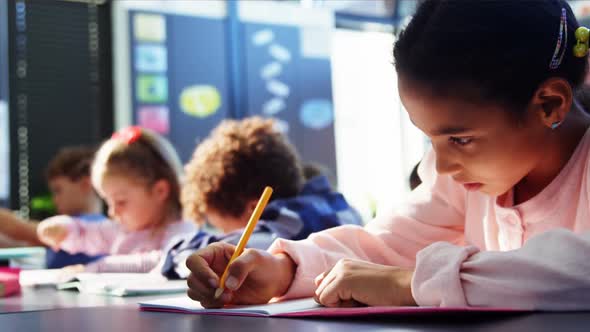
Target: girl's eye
[(461, 140)]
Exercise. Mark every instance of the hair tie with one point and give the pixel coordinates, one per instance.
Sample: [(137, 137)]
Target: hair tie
[(561, 41), (128, 135), (581, 47)]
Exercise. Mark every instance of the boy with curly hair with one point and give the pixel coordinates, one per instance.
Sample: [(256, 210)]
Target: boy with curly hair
[(224, 180)]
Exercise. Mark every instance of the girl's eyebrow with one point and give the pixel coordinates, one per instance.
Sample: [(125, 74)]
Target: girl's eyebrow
[(450, 130), (446, 130)]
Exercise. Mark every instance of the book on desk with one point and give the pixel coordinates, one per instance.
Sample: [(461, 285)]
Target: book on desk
[(306, 307), (114, 284)]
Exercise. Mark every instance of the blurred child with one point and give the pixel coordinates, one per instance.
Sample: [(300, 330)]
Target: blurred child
[(225, 178), (502, 217), (68, 179), (137, 172)]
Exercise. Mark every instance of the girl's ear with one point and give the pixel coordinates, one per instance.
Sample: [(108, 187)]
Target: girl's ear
[(161, 190), (552, 101)]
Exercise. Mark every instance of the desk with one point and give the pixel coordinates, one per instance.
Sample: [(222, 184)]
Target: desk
[(32, 299), (88, 313), (128, 318)]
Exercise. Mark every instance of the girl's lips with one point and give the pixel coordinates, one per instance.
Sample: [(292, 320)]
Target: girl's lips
[(472, 186)]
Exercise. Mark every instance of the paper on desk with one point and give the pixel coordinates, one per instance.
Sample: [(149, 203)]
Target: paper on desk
[(300, 308), (115, 284), (39, 278), (129, 284)]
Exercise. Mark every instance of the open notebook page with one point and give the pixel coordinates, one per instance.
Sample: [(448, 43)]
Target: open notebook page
[(185, 304), (299, 308)]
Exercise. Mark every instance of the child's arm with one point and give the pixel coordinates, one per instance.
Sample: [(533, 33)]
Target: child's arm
[(18, 229), (75, 236), (550, 272), (434, 212), (141, 262), (131, 263)]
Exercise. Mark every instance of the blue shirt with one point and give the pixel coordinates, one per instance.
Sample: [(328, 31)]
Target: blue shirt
[(316, 208)]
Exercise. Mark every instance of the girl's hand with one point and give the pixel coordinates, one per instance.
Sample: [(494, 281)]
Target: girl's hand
[(352, 282), (52, 234), (254, 277)]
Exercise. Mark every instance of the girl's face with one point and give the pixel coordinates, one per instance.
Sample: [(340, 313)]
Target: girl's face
[(134, 204), (481, 147)]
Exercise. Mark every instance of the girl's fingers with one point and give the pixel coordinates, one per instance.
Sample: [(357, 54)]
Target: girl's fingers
[(318, 280), (201, 270), (327, 280), (212, 302), (240, 268), (330, 296), (199, 289)]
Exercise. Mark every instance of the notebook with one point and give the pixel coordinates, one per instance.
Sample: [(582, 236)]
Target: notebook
[(40, 278), (300, 308), (113, 284)]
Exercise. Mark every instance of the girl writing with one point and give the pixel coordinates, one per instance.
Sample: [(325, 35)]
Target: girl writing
[(503, 213)]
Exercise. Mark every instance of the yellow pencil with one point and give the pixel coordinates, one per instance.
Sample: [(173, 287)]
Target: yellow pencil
[(245, 236)]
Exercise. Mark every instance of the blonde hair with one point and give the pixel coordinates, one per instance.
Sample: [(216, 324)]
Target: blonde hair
[(146, 157)]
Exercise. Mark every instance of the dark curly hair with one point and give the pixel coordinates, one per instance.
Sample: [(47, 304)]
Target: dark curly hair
[(232, 166), (487, 50)]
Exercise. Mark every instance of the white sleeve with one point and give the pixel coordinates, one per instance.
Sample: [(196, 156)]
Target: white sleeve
[(550, 272)]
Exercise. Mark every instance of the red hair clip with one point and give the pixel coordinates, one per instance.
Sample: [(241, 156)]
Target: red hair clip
[(128, 135)]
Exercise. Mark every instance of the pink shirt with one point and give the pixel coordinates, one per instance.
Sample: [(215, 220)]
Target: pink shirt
[(127, 251), (469, 248)]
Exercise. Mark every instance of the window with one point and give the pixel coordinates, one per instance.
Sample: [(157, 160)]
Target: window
[(376, 144)]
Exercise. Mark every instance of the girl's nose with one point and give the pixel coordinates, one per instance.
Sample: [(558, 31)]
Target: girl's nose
[(446, 165)]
